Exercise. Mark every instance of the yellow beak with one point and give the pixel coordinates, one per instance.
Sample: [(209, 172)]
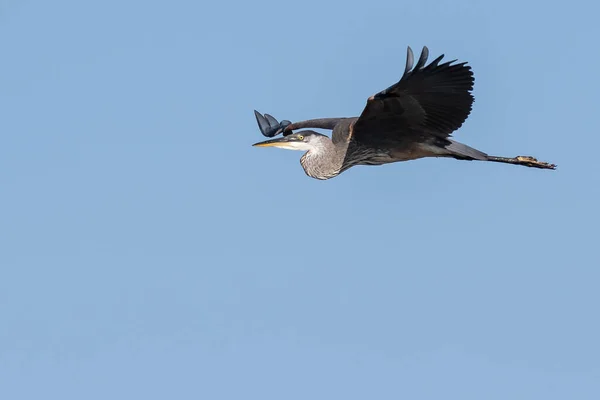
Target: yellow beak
[(282, 142)]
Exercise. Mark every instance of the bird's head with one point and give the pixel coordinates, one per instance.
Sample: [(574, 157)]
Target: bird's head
[(303, 141)]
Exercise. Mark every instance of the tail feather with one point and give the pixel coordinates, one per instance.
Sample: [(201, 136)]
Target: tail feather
[(464, 151)]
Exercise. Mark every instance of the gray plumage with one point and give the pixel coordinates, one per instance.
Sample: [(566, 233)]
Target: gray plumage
[(411, 119)]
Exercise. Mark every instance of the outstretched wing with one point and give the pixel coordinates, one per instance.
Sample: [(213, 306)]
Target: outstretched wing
[(432, 100)]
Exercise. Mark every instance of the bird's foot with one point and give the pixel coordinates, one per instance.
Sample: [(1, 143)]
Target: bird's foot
[(533, 162)]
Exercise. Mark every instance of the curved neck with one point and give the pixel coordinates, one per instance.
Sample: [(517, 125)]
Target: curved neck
[(324, 160)]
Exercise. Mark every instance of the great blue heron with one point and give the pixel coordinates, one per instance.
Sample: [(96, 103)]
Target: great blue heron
[(411, 119)]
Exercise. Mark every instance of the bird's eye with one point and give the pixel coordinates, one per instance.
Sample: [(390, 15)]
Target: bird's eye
[(300, 137)]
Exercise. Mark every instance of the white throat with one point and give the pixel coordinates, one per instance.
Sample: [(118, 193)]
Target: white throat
[(301, 146)]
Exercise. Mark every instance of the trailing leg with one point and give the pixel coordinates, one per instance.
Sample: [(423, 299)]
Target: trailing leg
[(526, 161)]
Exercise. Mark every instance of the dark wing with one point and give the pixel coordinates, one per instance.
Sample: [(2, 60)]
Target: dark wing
[(269, 126), (432, 100)]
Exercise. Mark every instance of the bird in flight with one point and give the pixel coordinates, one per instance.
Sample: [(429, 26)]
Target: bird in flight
[(411, 119)]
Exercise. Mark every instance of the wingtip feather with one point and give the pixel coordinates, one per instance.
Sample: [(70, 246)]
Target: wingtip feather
[(422, 58), (410, 59)]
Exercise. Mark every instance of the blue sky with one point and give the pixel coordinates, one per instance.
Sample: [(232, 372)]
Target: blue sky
[(148, 251)]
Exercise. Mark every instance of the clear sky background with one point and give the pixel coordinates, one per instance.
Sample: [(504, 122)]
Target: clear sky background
[(148, 251)]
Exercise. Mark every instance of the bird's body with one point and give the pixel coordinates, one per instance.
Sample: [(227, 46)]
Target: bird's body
[(412, 119)]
